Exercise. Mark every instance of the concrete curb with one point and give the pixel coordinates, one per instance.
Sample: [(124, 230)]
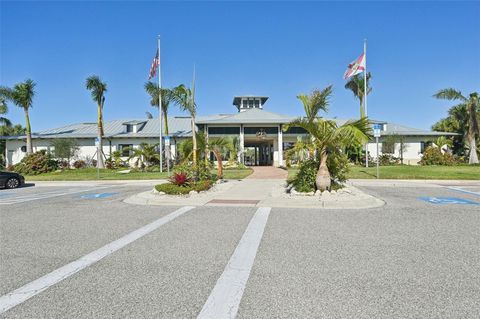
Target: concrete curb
[(357, 200)]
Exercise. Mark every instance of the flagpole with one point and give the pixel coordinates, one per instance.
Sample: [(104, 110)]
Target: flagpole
[(160, 113), (365, 93)]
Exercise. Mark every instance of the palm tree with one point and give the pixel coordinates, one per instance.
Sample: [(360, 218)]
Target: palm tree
[(471, 121), (168, 96), (356, 84), (3, 111), (315, 102), (185, 98), (328, 137), (22, 95), (98, 89), (145, 154), (217, 146), (443, 143)]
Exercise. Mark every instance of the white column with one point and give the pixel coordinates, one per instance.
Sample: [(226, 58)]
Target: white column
[(242, 145), (280, 146)]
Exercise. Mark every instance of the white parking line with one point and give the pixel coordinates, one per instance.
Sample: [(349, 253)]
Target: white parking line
[(225, 297), (35, 287), (35, 196)]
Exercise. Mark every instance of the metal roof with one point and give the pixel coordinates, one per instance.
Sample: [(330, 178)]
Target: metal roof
[(249, 116), (178, 127)]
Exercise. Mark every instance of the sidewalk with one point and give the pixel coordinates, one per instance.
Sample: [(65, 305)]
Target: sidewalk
[(260, 193)]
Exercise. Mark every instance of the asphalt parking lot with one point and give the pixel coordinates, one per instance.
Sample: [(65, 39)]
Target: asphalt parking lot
[(415, 257)]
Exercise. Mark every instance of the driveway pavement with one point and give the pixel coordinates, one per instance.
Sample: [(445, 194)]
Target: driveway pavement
[(412, 258)]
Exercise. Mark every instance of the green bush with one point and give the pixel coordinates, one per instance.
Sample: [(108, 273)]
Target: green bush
[(36, 163), (304, 181), (433, 156), (200, 172), (388, 160), (338, 166), (173, 189)]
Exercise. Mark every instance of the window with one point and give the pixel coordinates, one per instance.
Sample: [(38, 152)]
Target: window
[(223, 130), (129, 128), (23, 148), (257, 103), (125, 148)]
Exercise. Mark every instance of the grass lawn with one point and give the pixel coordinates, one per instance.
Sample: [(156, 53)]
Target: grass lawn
[(87, 174), (411, 172)]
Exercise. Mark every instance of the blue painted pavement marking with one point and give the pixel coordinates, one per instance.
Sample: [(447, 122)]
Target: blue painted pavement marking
[(98, 195), (463, 191), (448, 200), (5, 194)]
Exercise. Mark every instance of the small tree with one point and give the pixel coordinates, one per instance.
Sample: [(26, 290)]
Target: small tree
[(65, 149)]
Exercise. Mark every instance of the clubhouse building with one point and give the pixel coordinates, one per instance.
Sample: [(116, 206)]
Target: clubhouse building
[(262, 140)]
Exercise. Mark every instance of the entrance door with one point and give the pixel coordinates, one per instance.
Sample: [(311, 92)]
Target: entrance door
[(259, 154)]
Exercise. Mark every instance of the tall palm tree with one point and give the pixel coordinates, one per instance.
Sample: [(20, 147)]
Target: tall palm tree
[(168, 96), (315, 102), (471, 121), (356, 84), (185, 98), (3, 111), (98, 89), (328, 137), (22, 95)]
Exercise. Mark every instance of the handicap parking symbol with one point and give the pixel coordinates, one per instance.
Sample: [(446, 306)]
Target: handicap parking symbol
[(98, 195), (448, 200)]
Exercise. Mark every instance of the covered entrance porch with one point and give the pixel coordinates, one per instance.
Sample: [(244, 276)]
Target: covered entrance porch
[(258, 153)]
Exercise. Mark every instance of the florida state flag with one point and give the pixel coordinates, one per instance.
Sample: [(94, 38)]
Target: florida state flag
[(357, 66)]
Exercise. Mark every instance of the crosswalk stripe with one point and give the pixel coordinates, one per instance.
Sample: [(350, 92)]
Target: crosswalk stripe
[(225, 297)]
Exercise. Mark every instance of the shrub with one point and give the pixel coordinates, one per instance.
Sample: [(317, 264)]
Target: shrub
[(79, 164), (201, 172), (172, 189), (179, 179), (36, 163), (434, 156), (304, 181), (388, 159), (338, 166)]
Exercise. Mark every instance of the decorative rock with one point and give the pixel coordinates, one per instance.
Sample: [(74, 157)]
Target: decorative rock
[(309, 194), (192, 193), (161, 193), (318, 193)]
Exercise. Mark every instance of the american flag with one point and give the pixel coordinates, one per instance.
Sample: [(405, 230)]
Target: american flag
[(154, 67)]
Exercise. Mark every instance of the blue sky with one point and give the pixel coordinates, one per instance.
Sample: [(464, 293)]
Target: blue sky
[(277, 49)]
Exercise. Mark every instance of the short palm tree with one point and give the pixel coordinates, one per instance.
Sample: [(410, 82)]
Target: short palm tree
[(98, 89), (185, 98), (327, 137), (471, 121), (217, 146), (144, 155), (168, 96), (3, 111), (441, 142), (22, 95), (356, 84)]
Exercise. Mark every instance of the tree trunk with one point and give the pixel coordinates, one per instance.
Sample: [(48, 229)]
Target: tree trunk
[(194, 140), (473, 158), (218, 156), (165, 121), (29, 132), (100, 163), (323, 180)]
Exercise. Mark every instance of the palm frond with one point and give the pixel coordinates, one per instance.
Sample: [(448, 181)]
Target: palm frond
[(450, 94)]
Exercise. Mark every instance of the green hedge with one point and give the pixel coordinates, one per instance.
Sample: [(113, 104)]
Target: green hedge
[(172, 189)]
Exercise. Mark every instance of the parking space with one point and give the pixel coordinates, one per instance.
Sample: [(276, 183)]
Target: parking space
[(409, 258)]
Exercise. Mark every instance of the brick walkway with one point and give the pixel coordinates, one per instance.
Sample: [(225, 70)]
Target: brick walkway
[(268, 172)]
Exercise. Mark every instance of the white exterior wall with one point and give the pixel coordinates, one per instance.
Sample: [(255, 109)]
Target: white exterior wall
[(87, 149), (411, 156)]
